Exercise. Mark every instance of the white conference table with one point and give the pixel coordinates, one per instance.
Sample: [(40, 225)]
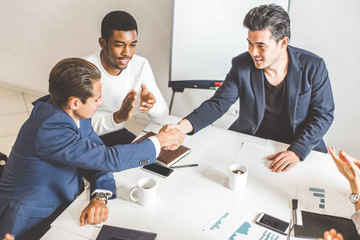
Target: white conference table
[(191, 198), (57, 233)]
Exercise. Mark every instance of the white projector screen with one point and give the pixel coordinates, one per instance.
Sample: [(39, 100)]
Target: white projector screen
[(206, 35)]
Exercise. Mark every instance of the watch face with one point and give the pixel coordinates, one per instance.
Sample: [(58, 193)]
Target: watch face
[(354, 198), (101, 195)]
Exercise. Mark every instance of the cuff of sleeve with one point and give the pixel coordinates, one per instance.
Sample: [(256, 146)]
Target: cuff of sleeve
[(299, 151), (156, 144), (356, 219), (105, 124), (108, 193), (153, 109), (193, 131), (108, 120), (158, 113), (114, 123)]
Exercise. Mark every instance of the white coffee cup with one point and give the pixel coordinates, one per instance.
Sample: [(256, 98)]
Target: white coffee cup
[(237, 177), (145, 192)]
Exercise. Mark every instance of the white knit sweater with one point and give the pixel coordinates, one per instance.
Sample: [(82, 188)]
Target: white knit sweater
[(115, 89)]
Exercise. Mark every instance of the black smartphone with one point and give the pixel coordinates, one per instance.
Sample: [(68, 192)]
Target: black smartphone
[(158, 169), (273, 223)]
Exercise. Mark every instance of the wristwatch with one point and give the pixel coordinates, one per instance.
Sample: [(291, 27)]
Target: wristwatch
[(354, 198), (100, 196)]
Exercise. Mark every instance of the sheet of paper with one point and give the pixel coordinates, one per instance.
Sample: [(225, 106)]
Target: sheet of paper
[(254, 157), (250, 151), (325, 200), (232, 224)]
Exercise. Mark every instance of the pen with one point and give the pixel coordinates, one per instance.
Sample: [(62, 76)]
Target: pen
[(290, 228), (294, 210), (293, 219), (184, 166)]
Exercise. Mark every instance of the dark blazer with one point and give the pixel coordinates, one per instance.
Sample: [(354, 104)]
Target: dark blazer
[(309, 95), (43, 172)]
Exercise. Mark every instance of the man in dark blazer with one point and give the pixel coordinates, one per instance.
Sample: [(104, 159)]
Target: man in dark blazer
[(57, 146), (284, 92)]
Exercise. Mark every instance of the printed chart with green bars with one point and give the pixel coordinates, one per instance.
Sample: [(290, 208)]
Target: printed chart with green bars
[(230, 224), (325, 200), (319, 193)]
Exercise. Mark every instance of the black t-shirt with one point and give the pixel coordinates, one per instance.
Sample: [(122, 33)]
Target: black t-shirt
[(276, 124)]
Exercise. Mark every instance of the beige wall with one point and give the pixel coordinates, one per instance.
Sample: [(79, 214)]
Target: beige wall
[(36, 34)]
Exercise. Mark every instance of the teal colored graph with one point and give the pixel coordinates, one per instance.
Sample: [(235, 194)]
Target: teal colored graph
[(319, 193), (218, 222), (269, 236), (320, 190), (243, 229)]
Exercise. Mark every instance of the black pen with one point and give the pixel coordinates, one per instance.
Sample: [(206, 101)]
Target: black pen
[(294, 210), (184, 166)]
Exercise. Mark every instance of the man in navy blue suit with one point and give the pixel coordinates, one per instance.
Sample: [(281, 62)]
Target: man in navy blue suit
[(56, 147), (284, 92)]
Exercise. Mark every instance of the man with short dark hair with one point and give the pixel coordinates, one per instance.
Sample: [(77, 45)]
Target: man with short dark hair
[(284, 92), (125, 77), (57, 146)]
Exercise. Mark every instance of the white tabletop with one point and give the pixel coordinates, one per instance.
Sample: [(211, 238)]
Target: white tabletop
[(57, 233), (191, 198)]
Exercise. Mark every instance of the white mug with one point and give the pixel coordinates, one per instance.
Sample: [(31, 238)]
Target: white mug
[(146, 192), (237, 177)]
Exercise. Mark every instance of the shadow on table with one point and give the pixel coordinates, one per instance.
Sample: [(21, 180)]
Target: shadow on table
[(216, 176)]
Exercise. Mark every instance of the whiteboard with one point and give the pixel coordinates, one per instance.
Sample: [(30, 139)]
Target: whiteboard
[(206, 35)]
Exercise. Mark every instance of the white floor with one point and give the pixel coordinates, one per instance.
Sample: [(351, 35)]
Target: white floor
[(15, 108)]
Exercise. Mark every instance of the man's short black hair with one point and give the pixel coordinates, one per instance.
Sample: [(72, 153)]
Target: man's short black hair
[(117, 20), (269, 17)]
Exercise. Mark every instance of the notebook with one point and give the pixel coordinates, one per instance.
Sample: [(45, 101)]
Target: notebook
[(167, 157), (108, 232), (315, 224)]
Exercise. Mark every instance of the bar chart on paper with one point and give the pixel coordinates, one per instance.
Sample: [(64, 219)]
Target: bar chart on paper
[(243, 232), (218, 222), (318, 193), (232, 225), (325, 200), (243, 229), (226, 227)]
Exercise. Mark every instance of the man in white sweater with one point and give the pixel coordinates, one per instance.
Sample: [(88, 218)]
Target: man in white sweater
[(124, 77)]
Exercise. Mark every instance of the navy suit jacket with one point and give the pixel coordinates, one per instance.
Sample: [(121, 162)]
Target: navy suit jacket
[(44, 169), (309, 99)]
